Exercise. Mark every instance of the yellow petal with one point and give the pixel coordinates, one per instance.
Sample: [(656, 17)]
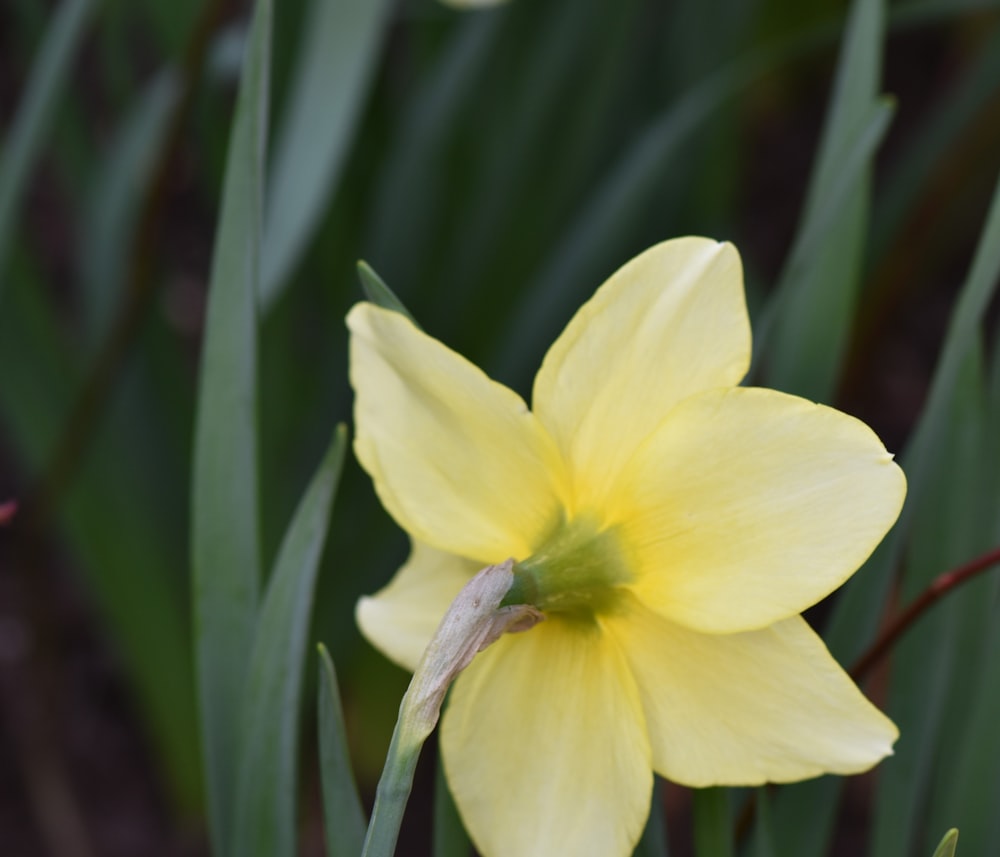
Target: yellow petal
[(545, 747), (401, 618), (748, 506), (457, 459), (743, 709), (670, 323)]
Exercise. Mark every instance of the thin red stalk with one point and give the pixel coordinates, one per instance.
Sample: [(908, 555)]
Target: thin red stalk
[(941, 586)]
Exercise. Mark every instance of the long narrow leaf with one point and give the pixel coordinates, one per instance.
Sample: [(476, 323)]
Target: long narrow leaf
[(225, 546), (24, 142), (928, 663), (339, 48), (343, 817), (857, 612), (948, 844), (379, 293), (818, 288), (113, 208), (265, 806), (614, 207)]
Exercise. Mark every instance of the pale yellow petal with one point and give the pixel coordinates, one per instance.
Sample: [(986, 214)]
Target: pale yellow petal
[(400, 619), (457, 459), (748, 506), (670, 323), (545, 747), (743, 709)]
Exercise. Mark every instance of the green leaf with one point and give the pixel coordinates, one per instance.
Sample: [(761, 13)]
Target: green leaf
[(615, 207), (948, 844), (713, 829), (268, 785), (930, 664), (963, 329), (450, 837), (343, 818), (407, 202), (108, 229), (339, 47), (910, 175), (861, 603), (25, 141), (806, 331), (379, 293), (225, 527)]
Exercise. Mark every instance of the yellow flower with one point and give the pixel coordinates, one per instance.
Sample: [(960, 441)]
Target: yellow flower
[(670, 525)]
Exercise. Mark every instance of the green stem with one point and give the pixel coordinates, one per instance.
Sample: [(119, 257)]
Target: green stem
[(474, 620), (394, 787)]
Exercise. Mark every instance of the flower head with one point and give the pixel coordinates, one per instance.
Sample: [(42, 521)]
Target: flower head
[(669, 524)]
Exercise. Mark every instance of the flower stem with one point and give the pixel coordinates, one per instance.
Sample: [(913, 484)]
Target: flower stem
[(474, 620), (393, 790), (940, 586)]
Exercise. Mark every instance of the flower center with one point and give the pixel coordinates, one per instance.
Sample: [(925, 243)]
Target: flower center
[(578, 569)]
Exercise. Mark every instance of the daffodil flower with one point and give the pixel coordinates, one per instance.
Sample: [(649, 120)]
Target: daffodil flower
[(669, 524)]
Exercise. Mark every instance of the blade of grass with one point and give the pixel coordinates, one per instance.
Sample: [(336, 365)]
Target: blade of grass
[(25, 140), (806, 332), (817, 289), (976, 785), (343, 818), (225, 527), (379, 293), (861, 603), (339, 47), (925, 663), (113, 210), (927, 148), (268, 784), (406, 202), (968, 787), (948, 844), (593, 240)]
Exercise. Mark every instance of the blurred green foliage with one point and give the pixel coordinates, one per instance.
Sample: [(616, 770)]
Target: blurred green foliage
[(494, 168)]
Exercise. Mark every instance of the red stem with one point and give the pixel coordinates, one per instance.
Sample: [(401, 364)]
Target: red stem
[(941, 586)]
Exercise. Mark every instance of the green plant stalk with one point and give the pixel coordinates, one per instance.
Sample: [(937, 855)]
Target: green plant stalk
[(474, 620), (394, 786)]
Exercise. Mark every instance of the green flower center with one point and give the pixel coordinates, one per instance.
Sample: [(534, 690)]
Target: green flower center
[(577, 570)]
